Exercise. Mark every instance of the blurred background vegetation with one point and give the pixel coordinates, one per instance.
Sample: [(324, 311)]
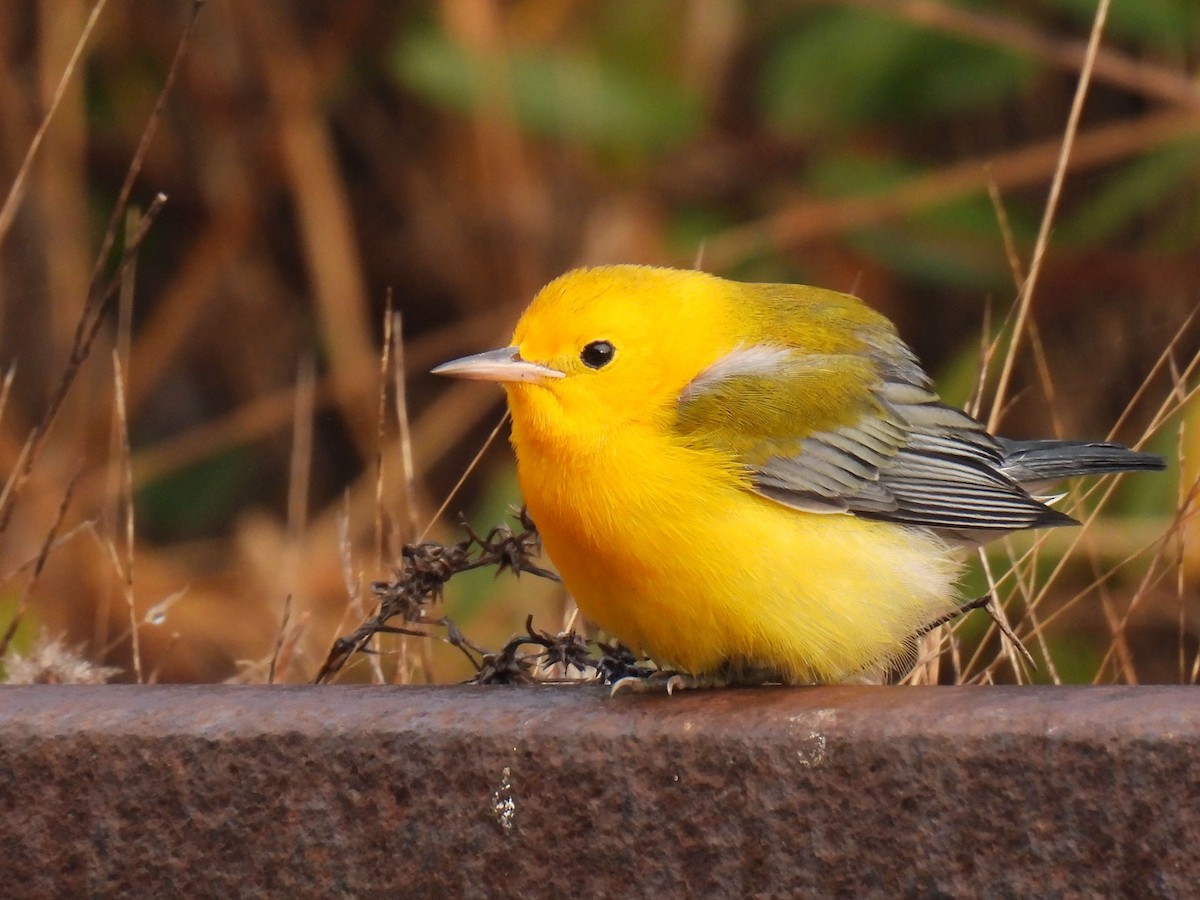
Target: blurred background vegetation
[(318, 157)]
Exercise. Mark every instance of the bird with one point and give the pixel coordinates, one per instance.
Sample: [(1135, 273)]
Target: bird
[(756, 482)]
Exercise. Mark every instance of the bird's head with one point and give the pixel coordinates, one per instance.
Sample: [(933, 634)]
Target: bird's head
[(608, 347)]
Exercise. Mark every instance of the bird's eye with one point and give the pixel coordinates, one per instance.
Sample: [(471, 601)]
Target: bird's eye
[(597, 354)]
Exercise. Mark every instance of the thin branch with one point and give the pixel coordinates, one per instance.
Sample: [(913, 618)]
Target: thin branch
[(425, 569)]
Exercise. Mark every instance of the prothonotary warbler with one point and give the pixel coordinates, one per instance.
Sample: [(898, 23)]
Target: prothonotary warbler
[(755, 478)]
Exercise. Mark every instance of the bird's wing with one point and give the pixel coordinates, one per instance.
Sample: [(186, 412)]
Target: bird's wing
[(856, 433)]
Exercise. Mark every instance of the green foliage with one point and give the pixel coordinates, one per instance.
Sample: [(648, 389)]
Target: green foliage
[(571, 94), (689, 226), (834, 69), (27, 629), (1163, 174), (196, 499), (957, 244), (1076, 658)]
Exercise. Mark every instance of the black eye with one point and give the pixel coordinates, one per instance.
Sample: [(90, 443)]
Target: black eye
[(598, 354)]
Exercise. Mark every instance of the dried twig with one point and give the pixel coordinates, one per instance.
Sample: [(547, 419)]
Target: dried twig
[(535, 656), (424, 571), (513, 665)]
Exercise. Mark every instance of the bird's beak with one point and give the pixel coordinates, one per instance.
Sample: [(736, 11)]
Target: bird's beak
[(497, 365)]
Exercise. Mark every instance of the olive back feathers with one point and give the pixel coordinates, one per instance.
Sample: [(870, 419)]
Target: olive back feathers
[(853, 426)]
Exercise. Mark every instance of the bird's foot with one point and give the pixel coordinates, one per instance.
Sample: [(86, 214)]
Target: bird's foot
[(668, 681), (660, 682)]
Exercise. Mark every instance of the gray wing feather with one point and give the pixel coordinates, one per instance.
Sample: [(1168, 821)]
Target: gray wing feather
[(909, 459), (1038, 464), (922, 463)]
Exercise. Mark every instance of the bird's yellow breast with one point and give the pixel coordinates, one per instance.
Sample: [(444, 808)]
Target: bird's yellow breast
[(665, 548)]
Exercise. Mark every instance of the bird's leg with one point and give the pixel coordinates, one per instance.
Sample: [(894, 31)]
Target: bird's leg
[(988, 602), (997, 615), (969, 606)]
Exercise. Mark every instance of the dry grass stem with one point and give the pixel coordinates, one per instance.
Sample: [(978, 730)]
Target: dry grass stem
[(1025, 297), (6, 387), (352, 577), (16, 191), (466, 473), (396, 332), (89, 326), (87, 525), (406, 454), (299, 474), (127, 506), (279, 638), (48, 544), (385, 360)]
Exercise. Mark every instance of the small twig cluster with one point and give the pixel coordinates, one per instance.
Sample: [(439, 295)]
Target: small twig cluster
[(419, 583), (513, 664)]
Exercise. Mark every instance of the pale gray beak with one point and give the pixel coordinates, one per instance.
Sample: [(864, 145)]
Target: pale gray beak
[(497, 365)]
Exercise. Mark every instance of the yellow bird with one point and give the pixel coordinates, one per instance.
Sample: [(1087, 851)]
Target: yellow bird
[(754, 480)]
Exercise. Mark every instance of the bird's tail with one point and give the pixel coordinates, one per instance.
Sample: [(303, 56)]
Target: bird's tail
[(1034, 464)]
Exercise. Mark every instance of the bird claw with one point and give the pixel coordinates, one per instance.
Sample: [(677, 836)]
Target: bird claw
[(656, 683), (666, 682), (633, 684), (669, 681)]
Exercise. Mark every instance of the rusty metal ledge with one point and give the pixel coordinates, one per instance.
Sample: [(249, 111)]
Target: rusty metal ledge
[(561, 791)]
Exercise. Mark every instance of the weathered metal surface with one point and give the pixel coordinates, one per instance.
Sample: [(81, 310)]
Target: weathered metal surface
[(564, 792)]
